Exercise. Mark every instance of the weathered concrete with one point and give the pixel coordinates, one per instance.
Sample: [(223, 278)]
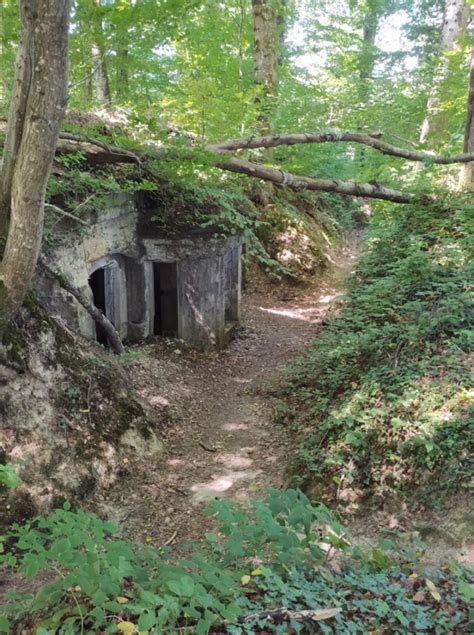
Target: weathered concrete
[(204, 292)]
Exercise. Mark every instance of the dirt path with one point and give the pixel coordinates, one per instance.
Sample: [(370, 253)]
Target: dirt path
[(223, 441)]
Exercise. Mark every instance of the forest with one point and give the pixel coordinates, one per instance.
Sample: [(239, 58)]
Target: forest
[(236, 317)]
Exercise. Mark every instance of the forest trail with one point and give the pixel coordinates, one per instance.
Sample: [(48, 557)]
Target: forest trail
[(224, 441)]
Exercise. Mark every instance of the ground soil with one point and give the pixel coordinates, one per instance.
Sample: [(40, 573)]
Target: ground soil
[(222, 440)]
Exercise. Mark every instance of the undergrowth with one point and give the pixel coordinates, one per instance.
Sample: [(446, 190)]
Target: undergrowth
[(381, 400), (283, 553)]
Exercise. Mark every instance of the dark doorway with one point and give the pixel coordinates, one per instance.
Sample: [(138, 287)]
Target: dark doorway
[(97, 284), (166, 298)]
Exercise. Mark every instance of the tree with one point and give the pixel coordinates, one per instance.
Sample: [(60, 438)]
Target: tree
[(102, 85), (37, 108), (266, 43), (455, 20), (469, 130)]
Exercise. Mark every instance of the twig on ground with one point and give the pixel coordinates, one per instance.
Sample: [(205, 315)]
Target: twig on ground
[(206, 447)]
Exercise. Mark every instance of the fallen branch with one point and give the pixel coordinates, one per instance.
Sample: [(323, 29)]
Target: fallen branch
[(96, 151), (372, 140), (206, 447), (283, 614), (97, 315), (57, 209), (292, 181)]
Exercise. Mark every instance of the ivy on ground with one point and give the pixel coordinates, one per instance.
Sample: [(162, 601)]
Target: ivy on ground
[(281, 552), (381, 401)]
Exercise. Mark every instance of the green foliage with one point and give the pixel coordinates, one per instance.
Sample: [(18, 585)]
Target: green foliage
[(382, 397), (273, 555), (8, 476)]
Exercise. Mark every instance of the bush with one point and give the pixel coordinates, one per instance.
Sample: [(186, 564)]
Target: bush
[(380, 402), (283, 552)]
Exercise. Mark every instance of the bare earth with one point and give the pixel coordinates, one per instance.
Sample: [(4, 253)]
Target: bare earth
[(224, 441)]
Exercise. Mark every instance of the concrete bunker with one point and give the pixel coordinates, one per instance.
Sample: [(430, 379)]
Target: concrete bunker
[(146, 282)]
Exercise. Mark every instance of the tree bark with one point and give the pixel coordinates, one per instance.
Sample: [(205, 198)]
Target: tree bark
[(468, 175), (97, 315), (266, 40), (17, 111), (372, 140), (369, 32), (286, 179), (455, 20), (45, 46), (102, 85)]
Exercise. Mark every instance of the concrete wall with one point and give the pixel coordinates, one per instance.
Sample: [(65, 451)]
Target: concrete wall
[(208, 271)]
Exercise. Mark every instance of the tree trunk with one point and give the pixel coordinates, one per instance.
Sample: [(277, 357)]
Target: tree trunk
[(455, 20), (17, 111), (469, 130), (367, 53), (102, 85), (44, 53), (266, 40)]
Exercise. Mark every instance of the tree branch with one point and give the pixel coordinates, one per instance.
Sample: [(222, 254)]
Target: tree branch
[(97, 315), (275, 175), (372, 140)]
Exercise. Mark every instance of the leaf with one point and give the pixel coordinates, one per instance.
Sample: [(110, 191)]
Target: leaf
[(256, 572), (467, 591), (432, 589), (419, 597), (121, 600), (245, 579), (128, 628), (325, 614)]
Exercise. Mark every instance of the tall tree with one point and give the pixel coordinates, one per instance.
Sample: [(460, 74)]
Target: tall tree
[(266, 21), (455, 20), (37, 108), (469, 130), (102, 84)]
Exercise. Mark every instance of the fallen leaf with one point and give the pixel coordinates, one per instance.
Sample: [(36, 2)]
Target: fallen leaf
[(245, 579), (257, 572), (121, 600), (126, 627), (325, 614), (432, 589), (419, 597)]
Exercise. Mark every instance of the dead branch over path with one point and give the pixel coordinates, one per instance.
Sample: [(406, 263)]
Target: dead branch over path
[(98, 152)]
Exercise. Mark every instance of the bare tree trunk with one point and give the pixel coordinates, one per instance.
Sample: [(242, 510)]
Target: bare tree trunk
[(266, 40), (102, 85), (468, 175), (16, 115), (367, 53), (44, 53), (455, 20)]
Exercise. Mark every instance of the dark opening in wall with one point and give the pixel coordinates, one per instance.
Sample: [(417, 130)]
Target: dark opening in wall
[(97, 284), (231, 286), (166, 298)]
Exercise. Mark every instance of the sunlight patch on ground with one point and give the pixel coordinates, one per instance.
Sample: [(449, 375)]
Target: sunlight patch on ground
[(219, 484), (326, 299), (234, 427), (175, 462), (233, 460), (310, 315)]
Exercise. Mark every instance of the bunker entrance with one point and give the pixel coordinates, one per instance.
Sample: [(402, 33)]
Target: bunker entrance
[(165, 280), (97, 285)]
